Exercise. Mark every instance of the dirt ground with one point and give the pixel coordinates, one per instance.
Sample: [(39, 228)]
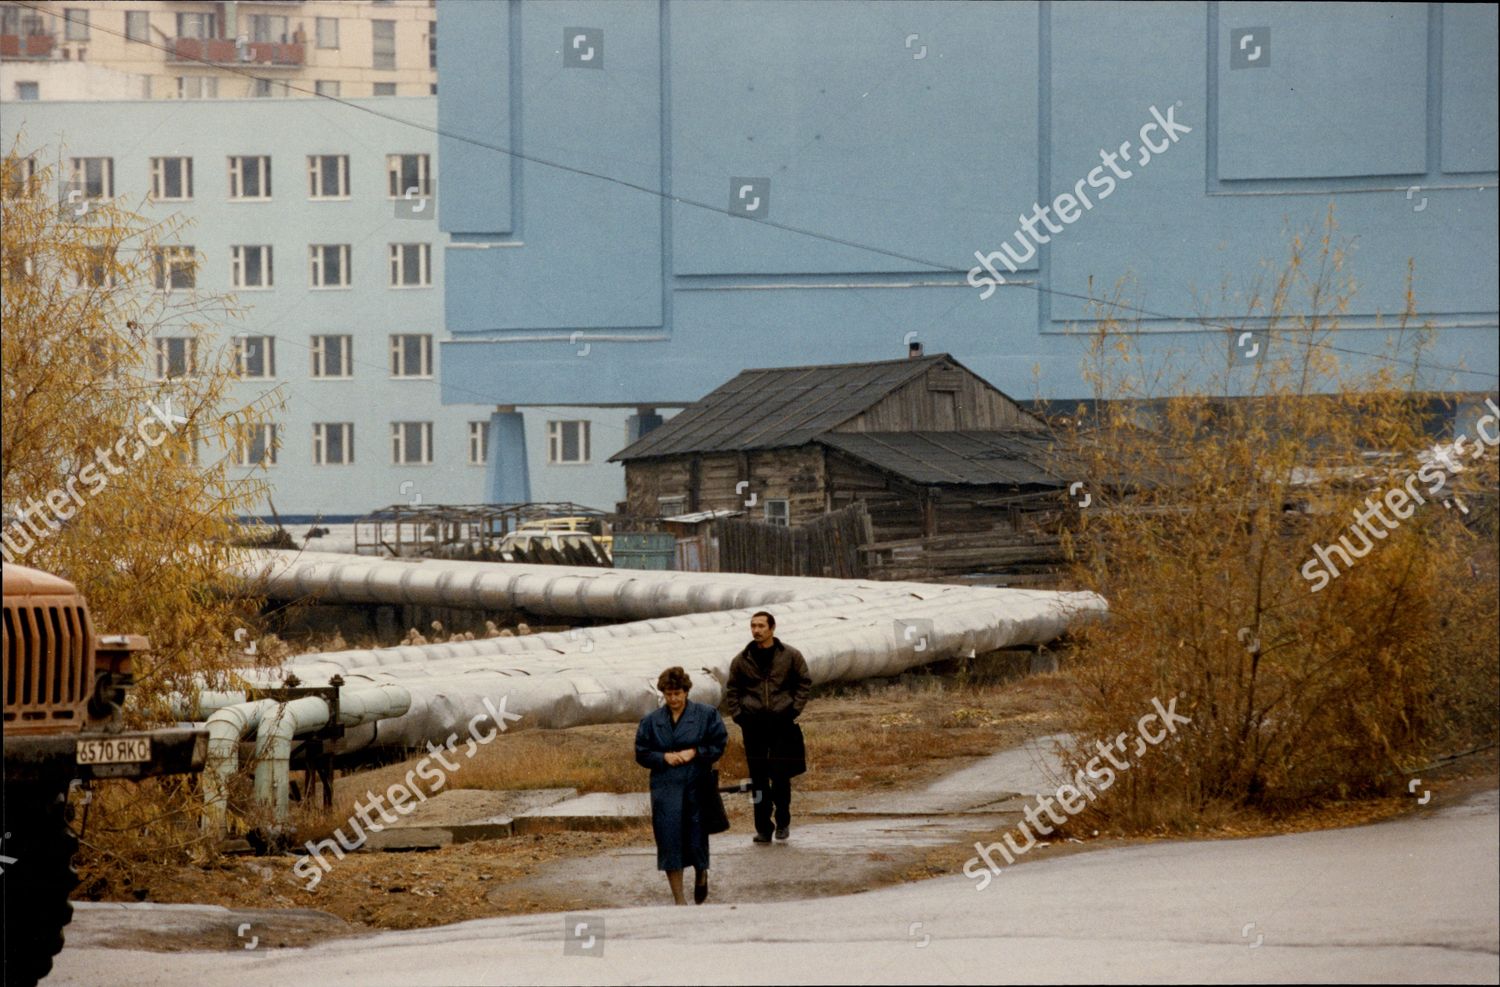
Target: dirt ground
[(893, 738)]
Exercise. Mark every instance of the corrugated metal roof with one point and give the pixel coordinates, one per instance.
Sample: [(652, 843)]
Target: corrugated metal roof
[(970, 457), (776, 407)]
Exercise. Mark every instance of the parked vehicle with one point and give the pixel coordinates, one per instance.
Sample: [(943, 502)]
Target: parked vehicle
[(554, 547), (64, 685), (596, 527)]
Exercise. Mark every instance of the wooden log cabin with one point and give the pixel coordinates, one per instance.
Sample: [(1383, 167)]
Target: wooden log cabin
[(955, 475)]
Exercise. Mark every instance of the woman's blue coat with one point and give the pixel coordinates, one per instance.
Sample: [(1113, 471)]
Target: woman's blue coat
[(674, 791)]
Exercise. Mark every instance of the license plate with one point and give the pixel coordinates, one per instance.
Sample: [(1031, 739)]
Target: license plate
[(114, 750)]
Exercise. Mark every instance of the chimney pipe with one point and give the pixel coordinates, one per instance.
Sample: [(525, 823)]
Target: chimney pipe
[(913, 350)]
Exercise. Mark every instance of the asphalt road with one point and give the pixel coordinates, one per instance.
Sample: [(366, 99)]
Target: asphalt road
[(1415, 900)]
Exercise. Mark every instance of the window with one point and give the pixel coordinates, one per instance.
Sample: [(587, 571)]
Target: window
[(250, 177), (98, 271), (201, 26), (171, 179), (27, 91), (20, 177), (137, 25), (384, 89), (670, 506), (257, 356), (264, 88), (256, 446), (176, 356), (411, 355), (328, 176), (330, 265), (383, 44), (268, 28), (332, 357), (568, 442), (411, 442), (333, 443), (185, 449), (197, 87), (410, 265), (93, 177), (176, 267), (432, 44), (778, 513), (328, 32), (326, 87), (406, 172), (14, 21), (77, 24), (252, 267), (479, 443)]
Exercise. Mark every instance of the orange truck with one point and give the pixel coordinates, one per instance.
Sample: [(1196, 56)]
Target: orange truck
[(64, 685)]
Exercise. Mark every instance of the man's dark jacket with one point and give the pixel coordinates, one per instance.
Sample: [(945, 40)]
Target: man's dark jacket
[(766, 702), (753, 697)]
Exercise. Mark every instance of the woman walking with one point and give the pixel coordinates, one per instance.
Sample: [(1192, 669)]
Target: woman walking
[(679, 742)]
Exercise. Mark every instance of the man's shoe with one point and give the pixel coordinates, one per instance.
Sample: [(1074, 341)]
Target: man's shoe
[(700, 888), (762, 838), (782, 832)]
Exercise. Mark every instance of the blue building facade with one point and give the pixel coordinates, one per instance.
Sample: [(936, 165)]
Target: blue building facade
[(642, 198), (298, 209)]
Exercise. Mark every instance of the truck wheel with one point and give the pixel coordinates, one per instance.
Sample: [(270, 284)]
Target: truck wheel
[(38, 878)]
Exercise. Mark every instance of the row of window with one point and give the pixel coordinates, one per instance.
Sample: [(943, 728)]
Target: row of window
[(264, 28), (252, 266), (332, 356), (207, 87), (408, 176), (411, 443)]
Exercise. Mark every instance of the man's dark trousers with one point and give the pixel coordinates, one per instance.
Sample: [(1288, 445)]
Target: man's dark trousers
[(770, 785)]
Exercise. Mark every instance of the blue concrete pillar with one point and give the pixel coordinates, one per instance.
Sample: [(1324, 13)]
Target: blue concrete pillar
[(640, 423), (507, 479)]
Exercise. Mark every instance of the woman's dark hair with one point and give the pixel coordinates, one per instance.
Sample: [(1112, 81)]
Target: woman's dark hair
[(675, 677), (770, 620)]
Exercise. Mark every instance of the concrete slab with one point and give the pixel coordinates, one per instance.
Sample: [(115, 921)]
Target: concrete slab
[(150, 925), (463, 815), (1001, 783), (592, 812), (820, 859)]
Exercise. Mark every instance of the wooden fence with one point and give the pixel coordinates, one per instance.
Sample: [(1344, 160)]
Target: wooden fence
[(827, 546)]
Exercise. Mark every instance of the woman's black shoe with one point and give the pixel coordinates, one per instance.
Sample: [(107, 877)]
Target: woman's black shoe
[(700, 887)]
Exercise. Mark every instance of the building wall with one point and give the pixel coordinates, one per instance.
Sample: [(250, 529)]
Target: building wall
[(104, 42), (908, 137), (943, 399), (68, 81), (795, 475), (370, 310)]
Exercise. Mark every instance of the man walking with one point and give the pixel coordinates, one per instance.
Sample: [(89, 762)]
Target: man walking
[(768, 686)]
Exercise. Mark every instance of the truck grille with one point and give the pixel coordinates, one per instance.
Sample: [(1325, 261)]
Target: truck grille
[(47, 656)]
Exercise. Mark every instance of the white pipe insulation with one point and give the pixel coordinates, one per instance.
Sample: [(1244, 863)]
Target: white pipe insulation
[(846, 629), (226, 727), (275, 725)]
